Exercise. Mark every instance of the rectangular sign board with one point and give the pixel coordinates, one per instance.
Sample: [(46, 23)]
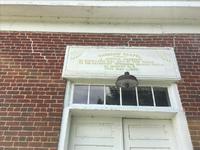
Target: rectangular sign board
[(157, 63)]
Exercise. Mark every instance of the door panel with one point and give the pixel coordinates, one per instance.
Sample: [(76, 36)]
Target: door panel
[(96, 133), (144, 148), (82, 147), (144, 134), (100, 130)]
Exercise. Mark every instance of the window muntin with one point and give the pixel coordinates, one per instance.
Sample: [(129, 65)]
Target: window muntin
[(111, 95)]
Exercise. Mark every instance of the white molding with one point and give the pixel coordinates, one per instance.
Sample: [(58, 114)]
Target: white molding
[(65, 129), (66, 119), (141, 28), (176, 114), (180, 122), (72, 95), (97, 107), (101, 16), (128, 3), (127, 112), (68, 94), (182, 132)]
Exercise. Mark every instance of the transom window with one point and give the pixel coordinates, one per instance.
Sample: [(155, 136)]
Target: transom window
[(111, 95)]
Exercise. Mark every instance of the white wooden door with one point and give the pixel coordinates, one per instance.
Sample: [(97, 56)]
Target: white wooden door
[(96, 134), (144, 134)]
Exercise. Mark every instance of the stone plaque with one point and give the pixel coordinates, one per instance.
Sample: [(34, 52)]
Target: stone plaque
[(110, 62)]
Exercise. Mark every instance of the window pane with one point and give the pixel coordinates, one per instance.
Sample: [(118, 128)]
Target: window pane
[(145, 96), (80, 94), (129, 97), (96, 95), (112, 95), (161, 96)]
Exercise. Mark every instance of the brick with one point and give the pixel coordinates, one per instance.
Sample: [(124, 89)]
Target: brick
[(32, 89)]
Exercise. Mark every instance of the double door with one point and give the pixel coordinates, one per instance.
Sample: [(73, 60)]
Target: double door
[(96, 133)]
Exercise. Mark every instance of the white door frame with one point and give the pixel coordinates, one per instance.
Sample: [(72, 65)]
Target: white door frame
[(179, 121)]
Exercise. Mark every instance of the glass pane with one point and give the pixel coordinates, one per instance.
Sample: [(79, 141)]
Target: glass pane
[(96, 95), (145, 96), (112, 95), (129, 97), (80, 94), (161, 96)]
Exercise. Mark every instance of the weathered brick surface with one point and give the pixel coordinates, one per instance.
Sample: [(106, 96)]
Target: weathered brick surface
[(32, 90)]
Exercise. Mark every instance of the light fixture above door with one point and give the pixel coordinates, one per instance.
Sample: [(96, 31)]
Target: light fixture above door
[(126, 81)]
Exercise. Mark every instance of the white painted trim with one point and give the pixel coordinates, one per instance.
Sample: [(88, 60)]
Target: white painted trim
[(104, 95), (182, 132), (176, 114), (88, 95), (72, 95), (180, 122), (136, 94), (174, 97), (153, 96), (67, 94), (103, 3), (65, 129), (171, 108), (137, 28), (66, 117), (175, 102), (65, 61), (120, 98), (97, 107)]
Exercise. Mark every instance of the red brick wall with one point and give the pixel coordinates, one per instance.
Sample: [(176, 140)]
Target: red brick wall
[(32, 90)]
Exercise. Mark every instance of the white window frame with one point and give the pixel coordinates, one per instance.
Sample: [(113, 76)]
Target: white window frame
[(120, 90), (175, 113), (166, 111)]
